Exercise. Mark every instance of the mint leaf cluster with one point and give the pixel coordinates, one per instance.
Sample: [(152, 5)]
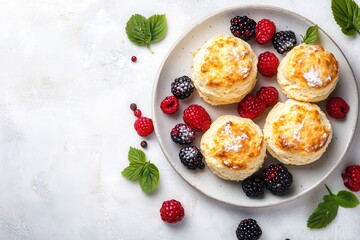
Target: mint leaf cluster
[(326, 211), (141, 170), (311, 35), (347, 15), (143, 31)]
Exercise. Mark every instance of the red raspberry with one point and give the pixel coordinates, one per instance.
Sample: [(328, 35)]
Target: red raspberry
[(137, 112), (251, 107), (351, 178), (269, 95), (264, 31), (169, 105), (172, 211), (337, 108), (144, 126), (267, 64), (197, 118)]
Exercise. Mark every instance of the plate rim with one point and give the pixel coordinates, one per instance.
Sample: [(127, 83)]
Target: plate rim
[(184, 34)]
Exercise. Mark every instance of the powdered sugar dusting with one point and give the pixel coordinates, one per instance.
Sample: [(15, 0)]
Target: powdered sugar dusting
[(235, 141), (313, 79)]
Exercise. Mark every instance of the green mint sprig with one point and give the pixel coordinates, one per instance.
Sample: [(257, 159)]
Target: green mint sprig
[(141, 170), (143, 31), (347, 15), (311, 35), (326, 211)]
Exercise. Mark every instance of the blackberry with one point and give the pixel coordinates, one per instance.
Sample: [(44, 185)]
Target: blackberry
[(191, 157), (182, 87), (243, 27), (248, 229), (253, 186), (284, 41), (182, 134), (277, 178)]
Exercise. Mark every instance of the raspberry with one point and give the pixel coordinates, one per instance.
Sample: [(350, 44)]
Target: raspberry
[(337, 108), (243, 27), (251, 107), (269, 95), (182, 87), (248, 229), (191, 157), (253, 186), (137, 112), (169, 105), (197, 118), (267, 64), (182, 134), (264, 31), (144, 126), (351, 178), (172, 211), (284, 41), (277, 179)]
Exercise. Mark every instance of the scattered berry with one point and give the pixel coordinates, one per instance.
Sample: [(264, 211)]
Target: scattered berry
[(182, 134), (169, 105), (133, 106), (268, 64), (253, 186), (243, 27), (248, 229), (191, 157), (337, 108), (264, 31), (144, 126), (269, 95), (172, 211), (137, 112), (182, 87), (251, 107), (284, 41), (277, 178), (143, 144), (133, 58), (351, 178), (197, 118)]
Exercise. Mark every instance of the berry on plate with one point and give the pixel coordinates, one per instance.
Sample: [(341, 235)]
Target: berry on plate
[(169, 105), (251, 107), (197, 118), (191, 157), (269, 95), (144, 126), (172, 211), (277, 178), (182, 134), (264, 31), (337, 108), (284, 41), (267, 64), (351, 177), (253, 186), (182, 87), (243, 27), (248, 229)]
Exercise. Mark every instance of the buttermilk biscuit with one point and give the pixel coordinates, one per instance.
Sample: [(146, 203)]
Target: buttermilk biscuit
[(233, 147), (308, 73), (225, 70), (297, 133)]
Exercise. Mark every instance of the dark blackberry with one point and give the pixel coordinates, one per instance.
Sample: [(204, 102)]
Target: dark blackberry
[(182, 134), (243, 27), (284, 41), (248, 229), (277, 178), (191, 157), (182, 87), (253, 186)]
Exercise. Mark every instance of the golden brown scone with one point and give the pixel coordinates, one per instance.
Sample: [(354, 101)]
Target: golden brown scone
[(233, 147), (297, 133), (225, 70), (308, 73)]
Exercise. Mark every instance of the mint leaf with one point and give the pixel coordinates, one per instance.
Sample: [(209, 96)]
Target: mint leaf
[(133, 172), (149, 178), (311, 35), (136, 156), (324, 213), (138, 30), (158, 27), (346, 199), (347, 15)]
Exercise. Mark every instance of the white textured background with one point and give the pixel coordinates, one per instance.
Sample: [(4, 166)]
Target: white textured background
[(66, 82)]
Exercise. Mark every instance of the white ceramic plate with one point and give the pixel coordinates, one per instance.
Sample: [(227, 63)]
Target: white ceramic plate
[(179, 62)]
